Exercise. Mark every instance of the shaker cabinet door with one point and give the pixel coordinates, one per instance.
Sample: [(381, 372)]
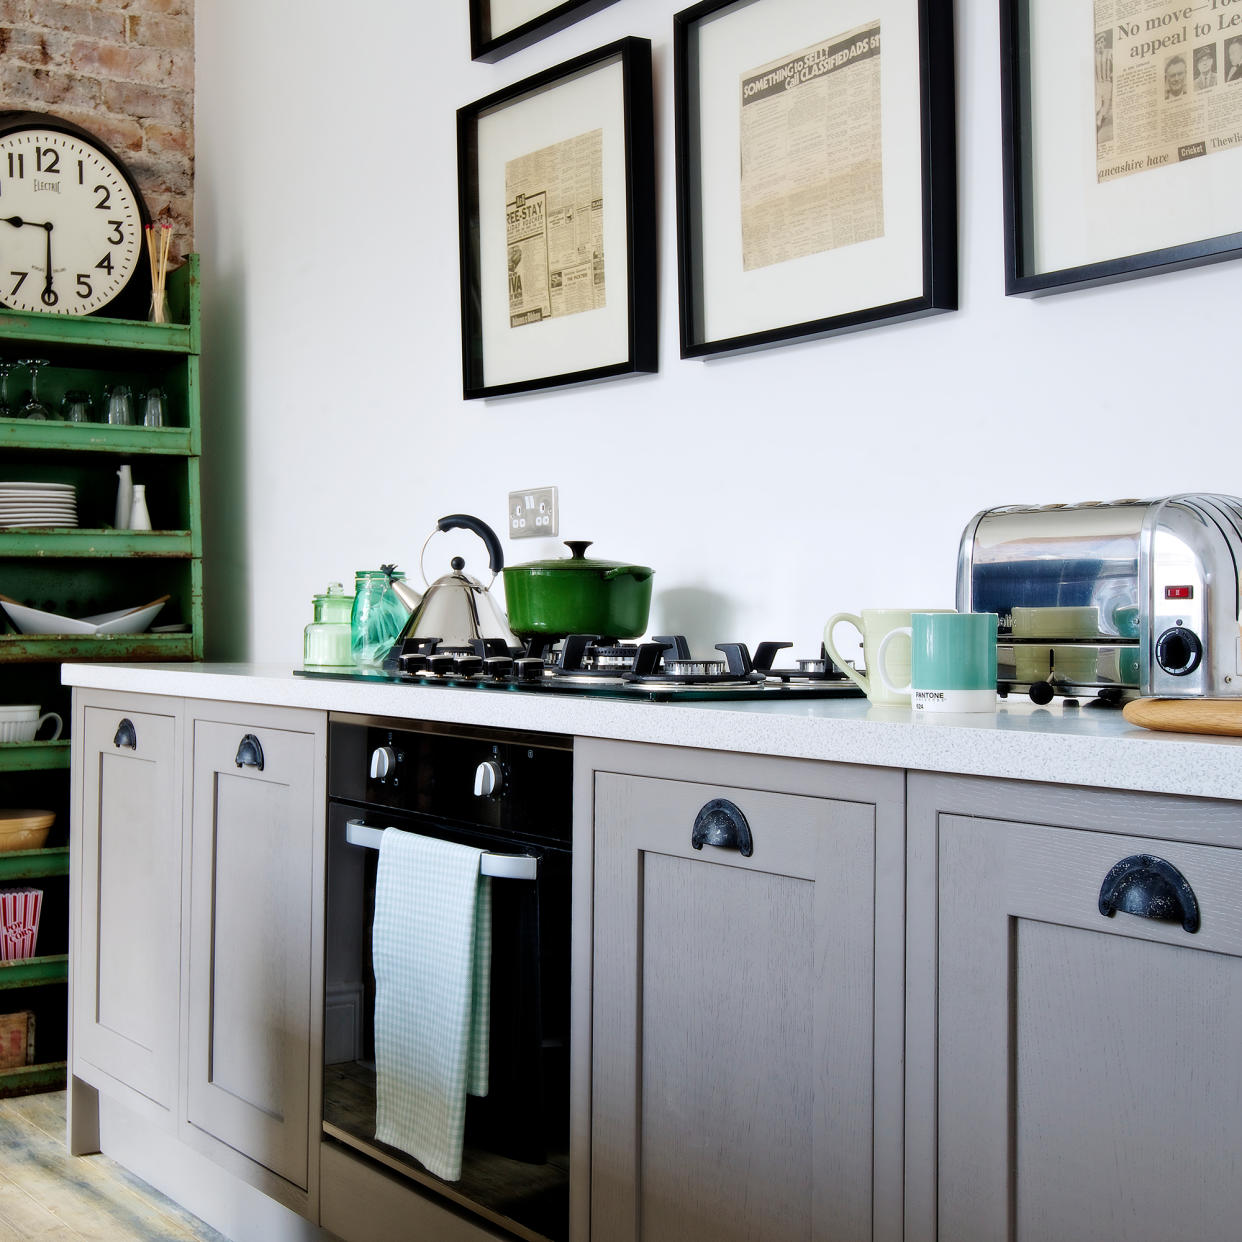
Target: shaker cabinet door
[(127, 860), (733, 1080), (1089, 1083), (256, 827)]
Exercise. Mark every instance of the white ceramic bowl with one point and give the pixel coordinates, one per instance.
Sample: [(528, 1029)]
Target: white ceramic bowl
[(126, 621)]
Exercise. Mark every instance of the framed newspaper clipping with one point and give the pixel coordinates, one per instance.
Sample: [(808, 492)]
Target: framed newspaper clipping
[(1122, 125), (816, 168), (556, 203), (498, 27)]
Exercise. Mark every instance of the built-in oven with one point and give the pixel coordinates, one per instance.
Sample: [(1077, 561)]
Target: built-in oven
[(508, 794)]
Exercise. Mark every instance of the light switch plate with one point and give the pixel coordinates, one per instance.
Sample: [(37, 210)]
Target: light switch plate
[(533, 513)]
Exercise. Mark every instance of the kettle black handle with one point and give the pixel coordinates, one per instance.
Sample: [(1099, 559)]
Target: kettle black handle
[(463, 521)]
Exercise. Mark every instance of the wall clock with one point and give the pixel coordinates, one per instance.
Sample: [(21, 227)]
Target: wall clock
[(72, 218)]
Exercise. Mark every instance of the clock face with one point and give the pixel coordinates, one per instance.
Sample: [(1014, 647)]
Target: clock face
[(71, 229)]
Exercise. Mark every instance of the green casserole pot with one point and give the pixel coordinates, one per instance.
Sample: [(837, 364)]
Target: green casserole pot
[(575, 595)]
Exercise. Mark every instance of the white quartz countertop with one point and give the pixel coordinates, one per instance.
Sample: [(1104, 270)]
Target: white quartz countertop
[(1077, 746)]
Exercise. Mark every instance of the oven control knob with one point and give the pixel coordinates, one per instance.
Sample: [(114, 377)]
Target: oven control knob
[(489, 779), (383, 762), (1179, 651)]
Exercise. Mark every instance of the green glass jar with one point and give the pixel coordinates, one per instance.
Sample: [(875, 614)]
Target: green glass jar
[(378, 615), (325, 643)]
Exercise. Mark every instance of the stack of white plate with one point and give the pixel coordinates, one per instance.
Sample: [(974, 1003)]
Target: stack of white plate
[(37, 504)]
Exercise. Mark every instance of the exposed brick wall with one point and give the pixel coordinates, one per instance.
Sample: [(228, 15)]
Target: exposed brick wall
[(123, 70)]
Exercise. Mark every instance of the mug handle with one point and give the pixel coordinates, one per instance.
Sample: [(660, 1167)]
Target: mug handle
[(848, 669), (882, 654), (60, 724)]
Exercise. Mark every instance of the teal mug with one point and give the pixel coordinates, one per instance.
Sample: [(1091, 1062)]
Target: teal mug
[(952, 661)]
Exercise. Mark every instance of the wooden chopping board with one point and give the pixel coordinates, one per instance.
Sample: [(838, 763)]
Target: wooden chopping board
[(1222, 716)]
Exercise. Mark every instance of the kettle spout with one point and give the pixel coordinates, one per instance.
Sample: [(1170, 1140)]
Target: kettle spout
[(403, 591)]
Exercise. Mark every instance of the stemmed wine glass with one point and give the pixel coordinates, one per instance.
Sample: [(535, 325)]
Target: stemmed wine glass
[(6, 367), (34, 408)]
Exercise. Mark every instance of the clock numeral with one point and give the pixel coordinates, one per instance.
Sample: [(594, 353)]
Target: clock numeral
[(105, 199), (105, 264), (117, 236), (84, 285), (81, 171), (17, 164), (51, 155), (21, 280), (49, 296)]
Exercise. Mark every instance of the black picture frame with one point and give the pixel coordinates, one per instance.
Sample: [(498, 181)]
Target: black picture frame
[(1029, 227), (490, 44), (927, 280), (617, 338)]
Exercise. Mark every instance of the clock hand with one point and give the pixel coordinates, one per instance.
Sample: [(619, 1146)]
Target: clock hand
[(17, 222), (48, 296)]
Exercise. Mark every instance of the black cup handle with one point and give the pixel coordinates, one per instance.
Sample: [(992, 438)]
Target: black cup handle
[(1150, 888), (722, 824), (250, 753), (126, 735), (463, 521)]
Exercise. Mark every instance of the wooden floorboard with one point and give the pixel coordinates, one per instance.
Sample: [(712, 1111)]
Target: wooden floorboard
[(46, 1194)]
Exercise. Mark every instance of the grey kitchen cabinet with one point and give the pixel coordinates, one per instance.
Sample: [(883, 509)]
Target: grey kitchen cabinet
[(126, 849), (1072, 1074), (746, 1013), (196, 964), (255, 947)]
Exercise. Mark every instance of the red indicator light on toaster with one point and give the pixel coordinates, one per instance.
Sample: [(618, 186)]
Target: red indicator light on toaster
[(1179, 592)]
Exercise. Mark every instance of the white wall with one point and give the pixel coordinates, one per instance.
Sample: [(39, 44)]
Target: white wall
[(777, 487)]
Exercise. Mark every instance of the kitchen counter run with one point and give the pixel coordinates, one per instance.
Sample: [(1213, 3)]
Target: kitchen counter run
[(1076, 746)]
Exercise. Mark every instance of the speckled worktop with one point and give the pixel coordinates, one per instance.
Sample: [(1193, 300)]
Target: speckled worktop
[(1068, 745)]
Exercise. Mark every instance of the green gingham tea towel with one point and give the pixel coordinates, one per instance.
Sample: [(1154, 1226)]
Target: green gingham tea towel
[(431, 948)]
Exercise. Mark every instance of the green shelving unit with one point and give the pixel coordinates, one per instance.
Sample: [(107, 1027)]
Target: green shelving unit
[(85, 570)]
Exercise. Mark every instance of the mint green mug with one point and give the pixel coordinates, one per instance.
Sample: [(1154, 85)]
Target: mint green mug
[(952, 661)]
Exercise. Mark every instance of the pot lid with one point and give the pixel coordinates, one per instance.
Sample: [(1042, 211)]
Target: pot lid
[(578, 561)]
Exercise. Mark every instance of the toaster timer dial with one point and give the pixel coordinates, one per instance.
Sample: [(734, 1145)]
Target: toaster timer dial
[(1179, 651)]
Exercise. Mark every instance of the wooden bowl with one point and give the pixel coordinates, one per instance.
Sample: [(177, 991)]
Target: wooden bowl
[(25, 829)]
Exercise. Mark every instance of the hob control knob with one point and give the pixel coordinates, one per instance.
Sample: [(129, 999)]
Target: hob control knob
[(1178, 651), (383, 762), (489, 779)]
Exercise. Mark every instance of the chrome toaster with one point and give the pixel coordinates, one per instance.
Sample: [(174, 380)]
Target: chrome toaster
[(1117, 600)]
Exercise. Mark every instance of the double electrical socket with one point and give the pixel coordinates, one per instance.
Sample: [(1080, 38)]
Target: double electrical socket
[(533, 513)]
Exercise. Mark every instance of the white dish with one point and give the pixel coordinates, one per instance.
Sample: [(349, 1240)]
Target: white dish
[(126, 621), (36, 487), (40, 524)]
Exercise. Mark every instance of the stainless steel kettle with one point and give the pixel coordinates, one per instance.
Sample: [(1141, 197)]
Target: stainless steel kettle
[(456, 608)]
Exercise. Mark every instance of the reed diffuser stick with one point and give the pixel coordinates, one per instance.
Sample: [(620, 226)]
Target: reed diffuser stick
[(157, 256)]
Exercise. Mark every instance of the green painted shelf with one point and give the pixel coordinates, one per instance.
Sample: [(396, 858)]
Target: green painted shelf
[(76, 648), (105, 541), (50, 1076), (29, 972), (28, 864), (92, 568), (21, 433), (33, 756)]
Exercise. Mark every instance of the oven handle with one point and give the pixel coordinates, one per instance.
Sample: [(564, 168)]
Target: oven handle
[(498, 866)]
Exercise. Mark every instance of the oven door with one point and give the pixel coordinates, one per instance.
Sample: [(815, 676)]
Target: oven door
[(515, 1165)]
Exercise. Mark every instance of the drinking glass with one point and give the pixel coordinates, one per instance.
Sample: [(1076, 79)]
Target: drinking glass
[(153, 403), (6, 410), (34, 408), (76, 406), (120, 407)]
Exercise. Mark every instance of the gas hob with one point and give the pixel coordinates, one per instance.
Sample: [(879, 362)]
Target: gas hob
[(660, 669)]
